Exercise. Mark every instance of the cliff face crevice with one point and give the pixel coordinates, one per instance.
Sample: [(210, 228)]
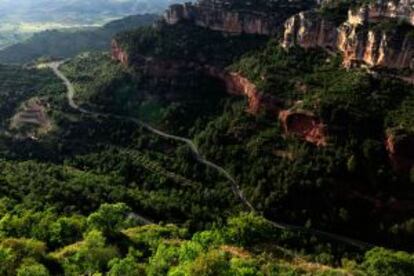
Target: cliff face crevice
[(357, 39)]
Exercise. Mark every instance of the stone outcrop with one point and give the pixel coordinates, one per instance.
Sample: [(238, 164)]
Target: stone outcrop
[(304, 125), (375, 47), (400, 147), (225, 16), (237, 84), (118, 53), (309, 30), (359, 41)]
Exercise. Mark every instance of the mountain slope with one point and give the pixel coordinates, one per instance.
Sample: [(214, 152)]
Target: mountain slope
[(68, 43), (20, 19)]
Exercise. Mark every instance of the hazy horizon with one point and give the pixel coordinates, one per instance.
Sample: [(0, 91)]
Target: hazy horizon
[(19, 19)]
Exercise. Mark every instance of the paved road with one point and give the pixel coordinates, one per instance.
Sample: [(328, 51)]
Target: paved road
[(236, 189)]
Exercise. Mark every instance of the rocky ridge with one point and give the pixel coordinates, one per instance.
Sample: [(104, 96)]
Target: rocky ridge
[(262, 18), (375, 35)]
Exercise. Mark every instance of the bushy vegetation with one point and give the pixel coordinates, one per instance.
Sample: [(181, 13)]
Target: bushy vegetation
[(336, 11), (111, 241)]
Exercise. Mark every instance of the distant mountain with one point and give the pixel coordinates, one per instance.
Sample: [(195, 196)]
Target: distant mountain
[(19, 19), (69, 42), (74, 11)]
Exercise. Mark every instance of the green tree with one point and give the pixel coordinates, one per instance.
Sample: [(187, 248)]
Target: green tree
[(166, 256), (244, 267), (127, 266), (31, 268), (110, 218), (211, 263), (247, 229), (92, 257)]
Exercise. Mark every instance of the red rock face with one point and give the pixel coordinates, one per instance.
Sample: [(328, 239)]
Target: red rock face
[(118, 53), (305, 126), (236, 84), (401, 151)]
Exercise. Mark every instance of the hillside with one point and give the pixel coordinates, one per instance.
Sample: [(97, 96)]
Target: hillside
[(216, 143), (68, 43)]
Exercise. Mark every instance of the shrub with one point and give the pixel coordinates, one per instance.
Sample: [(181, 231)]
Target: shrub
[(383, 262)]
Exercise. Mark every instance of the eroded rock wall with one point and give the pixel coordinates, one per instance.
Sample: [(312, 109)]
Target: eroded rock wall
[(359, 40), (309, 30), (224, 16)]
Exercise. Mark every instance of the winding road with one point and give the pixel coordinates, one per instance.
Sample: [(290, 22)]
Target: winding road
[(201, 159)]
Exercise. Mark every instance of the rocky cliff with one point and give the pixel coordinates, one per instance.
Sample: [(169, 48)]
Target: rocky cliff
[(376, 47), (309, 30), (374, 35), (263, 17)]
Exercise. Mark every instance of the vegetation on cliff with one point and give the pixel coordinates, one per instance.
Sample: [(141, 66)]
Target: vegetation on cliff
[(186, 42)]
